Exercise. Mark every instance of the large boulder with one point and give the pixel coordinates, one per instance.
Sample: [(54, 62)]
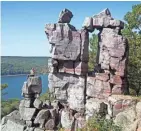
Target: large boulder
[(14, 125), (126, 119)]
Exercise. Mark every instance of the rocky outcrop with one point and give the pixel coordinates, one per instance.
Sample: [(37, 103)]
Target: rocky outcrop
[(33, 115), (79, 96)]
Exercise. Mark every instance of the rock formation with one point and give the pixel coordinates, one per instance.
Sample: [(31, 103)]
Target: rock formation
[(79, 96)]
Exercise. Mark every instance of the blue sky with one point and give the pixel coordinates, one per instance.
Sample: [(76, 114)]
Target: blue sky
[(23, 22)]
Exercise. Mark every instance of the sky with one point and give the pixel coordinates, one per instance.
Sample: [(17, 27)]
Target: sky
[(23, 23)]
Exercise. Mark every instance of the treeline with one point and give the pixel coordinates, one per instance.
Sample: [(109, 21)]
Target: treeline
[(13, 65)]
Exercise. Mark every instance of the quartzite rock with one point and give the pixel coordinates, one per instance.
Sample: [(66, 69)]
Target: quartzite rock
[(27, 113), (67, 121), (66, 42), (38, 104), (76, 95), (97, 88), (50, 124), (88, 24), (138, 109), (81, 68), (42, 116), (65, 16)]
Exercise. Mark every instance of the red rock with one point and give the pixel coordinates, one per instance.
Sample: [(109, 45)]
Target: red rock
[(102, 76), (114, 63), (116, 80), (121, 68), (66, 67), (81, 68), (117, 89)]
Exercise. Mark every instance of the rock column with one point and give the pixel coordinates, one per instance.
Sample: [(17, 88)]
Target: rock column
[(111, 59), (67, 77)]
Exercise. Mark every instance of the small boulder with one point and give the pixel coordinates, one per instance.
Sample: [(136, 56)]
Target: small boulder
[(65, 16)]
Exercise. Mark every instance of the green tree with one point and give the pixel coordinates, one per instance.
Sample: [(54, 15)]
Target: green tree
[(7, 106), (93, 51), (3, 86), (132, 32)]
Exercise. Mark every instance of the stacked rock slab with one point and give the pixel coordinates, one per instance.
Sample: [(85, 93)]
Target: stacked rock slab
[(111, 57), (30, 91), (33, 114), (67, 77)]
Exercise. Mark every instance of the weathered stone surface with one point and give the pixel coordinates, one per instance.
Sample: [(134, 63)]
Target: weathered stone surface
[(88, 24), (105, 12), (60, 83), (102, 19), (117, 52), (50, 124), (116, 23), (65, 16), (29, 129), (116, 80), (39, 129), (27, 113), (81, 68), (97, 88), (34, 81), (117, 89), (38, 104), (84, 45), (125, 118), (15, 115), (120, 103), (29, 123), (14, 125), (32, 86), (67, 121), (138, 110), (53, 113), (61, 94), (76, 95), (94, 106), (122, 68), (65, 40), (26, 103), (102, 76), (41, 117), (80, 122), (139, 125), (114, 63), (66, 67)]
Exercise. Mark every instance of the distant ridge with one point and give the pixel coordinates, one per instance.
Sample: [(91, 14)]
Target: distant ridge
[(14, 65)]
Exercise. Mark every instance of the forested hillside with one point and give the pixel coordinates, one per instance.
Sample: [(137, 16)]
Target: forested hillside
[(12, 65)]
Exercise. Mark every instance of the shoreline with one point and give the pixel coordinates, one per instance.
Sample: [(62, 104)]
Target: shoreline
[(14, 75), (20, 75)]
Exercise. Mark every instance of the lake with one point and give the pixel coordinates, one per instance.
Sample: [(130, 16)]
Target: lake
[(15, 84)]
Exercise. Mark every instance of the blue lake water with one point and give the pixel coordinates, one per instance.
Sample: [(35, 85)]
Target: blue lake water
[(15, 84)]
